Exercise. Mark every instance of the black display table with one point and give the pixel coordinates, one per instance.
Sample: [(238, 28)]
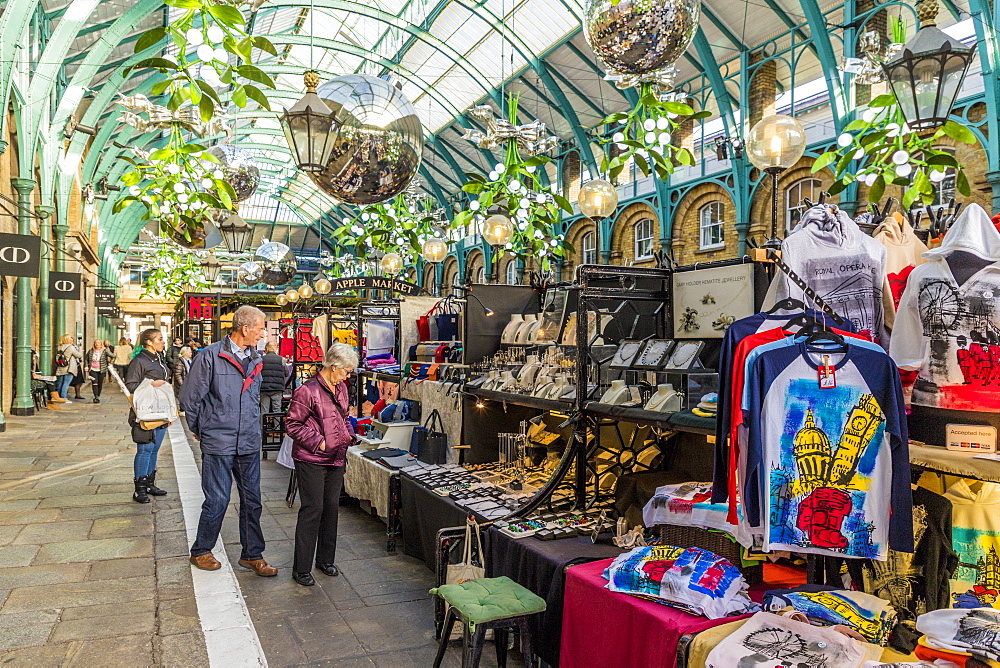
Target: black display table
[(540, 566), (422, 513)]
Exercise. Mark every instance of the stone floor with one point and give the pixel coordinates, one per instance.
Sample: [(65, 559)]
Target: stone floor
[(90, 578)]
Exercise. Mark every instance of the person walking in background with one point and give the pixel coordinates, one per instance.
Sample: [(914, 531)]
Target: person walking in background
[(148, 363), (98, 360), (272, 387), (321, 432), (173, 353), (221, 402), (68, 359), (123, 355), (181, 367)]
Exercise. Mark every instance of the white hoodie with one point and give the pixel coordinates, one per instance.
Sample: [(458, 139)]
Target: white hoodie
[(934, 312)]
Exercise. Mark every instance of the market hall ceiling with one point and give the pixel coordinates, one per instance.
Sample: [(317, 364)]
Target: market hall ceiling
[(448, 55)]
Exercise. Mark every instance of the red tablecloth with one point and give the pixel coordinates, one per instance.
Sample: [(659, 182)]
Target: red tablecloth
[(609, 629)]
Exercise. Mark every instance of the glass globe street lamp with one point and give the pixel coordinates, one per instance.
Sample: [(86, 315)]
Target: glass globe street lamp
[(391, 263), (598, 199), (281, 300), (497, 232), (434, 251), (323, 286), (311, 128), (927, 75), (292, 295), (236, 233), (775, 143), (305, 291)]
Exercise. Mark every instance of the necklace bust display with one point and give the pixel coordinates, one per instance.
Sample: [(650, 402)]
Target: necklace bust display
[(617, 394), (665, 399), (521, 335), (510, 330)]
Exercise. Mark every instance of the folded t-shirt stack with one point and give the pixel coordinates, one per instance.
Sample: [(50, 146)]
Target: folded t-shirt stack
[(959, 635), (691, 579), (708, 407), (872, 617), (690, 504)]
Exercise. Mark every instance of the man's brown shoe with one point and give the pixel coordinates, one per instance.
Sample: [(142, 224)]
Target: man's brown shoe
[(206, 562), (260, 567)]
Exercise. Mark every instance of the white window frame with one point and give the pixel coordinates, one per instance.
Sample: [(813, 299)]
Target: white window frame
[(711, 218), (794, 206), (511, 273), (642, 251), (480, 275), (588, 247), (945, 188)]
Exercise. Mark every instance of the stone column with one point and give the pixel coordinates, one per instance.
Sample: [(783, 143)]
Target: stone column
[(23, 404), (45, 352), (60, 306)]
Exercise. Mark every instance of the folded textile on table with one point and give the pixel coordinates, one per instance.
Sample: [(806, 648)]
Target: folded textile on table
[(690, 504), (871, 616), (692, 579), (769, 640), (975, 631), (399, 461), (379, 453)]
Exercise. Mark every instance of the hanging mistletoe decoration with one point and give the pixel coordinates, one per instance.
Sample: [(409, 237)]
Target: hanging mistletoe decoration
[(398, 226), (880, 150), (646, 133), (171, 272), (514, 188)]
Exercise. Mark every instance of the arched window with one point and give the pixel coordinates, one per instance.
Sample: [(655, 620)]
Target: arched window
[(644, 239), (481, 275), (512, 278), (588, 245), (711, 226), (794, 196), (456, 282)]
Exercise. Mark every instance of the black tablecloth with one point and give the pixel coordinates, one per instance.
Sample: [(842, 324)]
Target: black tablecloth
[(422, 513), (540, 566)]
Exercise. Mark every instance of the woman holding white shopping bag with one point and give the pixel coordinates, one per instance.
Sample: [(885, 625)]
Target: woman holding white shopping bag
[(147, 365)]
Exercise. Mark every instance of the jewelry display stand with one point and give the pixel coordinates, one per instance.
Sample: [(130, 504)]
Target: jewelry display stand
[(510, 330), (685, 355), (521, 335), (665, 400), (626, 353), (618, 393), (654, 355)]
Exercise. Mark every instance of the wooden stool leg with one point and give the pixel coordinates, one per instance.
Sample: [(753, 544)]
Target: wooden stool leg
[(476, 649), (500, 638), (527, 649), (449, 622)]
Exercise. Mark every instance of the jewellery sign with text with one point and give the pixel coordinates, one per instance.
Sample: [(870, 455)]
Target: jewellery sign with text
[(20, 255), (64, 285), (708, 301)]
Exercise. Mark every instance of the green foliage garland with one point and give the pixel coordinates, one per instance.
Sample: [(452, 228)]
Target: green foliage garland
[(170, 271), (398, 226)]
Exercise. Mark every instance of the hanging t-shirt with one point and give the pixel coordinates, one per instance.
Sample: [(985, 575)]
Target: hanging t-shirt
[(820, 497), (916, 582), (975, 536), (843, 265)]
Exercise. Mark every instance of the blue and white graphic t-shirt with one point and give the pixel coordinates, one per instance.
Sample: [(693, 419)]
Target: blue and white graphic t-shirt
[(825, 466)]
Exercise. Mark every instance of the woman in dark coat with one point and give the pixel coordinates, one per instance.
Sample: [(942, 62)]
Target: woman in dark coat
[(148, 363), (181, 366), (321, 431)]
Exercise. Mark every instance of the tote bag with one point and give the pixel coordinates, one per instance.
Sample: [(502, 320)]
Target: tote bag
[(466, 570), (430, 446), (447, 324)]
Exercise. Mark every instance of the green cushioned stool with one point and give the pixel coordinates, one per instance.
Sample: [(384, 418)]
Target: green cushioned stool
[(488, 603)]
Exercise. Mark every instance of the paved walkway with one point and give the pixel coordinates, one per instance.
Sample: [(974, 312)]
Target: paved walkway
[(90, 578)]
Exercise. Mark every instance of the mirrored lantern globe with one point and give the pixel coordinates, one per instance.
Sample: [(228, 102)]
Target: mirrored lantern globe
[(241, 172), (640, 36), (776, 142), (292, 295), (597, 199), (281, 300), (278, 265), (434, 250), (391, 263), (498, 230), (380, 142), (249, 273)]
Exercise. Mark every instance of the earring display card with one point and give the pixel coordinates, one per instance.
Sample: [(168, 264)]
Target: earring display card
[(685, 355), (707, 301), (627, 352), (654, 355)]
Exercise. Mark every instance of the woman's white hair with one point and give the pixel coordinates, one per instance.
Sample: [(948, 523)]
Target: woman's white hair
[(342, 356), (185, 351)]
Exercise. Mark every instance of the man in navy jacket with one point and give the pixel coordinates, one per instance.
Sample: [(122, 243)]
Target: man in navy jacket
[(221, 401)]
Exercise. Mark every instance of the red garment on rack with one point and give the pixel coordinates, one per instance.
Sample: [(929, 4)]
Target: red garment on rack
[(298, 342)]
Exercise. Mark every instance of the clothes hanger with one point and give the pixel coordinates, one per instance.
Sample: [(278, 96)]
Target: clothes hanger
[(786, 304)]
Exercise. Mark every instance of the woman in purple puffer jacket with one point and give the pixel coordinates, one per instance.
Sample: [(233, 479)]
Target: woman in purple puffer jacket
[(318, 423)]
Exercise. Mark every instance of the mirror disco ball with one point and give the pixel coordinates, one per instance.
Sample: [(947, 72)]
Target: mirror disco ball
[(249, 273), (240, 169), (378, 145), (640, 36), (277, 263)]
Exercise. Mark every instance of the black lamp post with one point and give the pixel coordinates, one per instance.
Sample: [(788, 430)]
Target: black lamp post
[(927, 74)]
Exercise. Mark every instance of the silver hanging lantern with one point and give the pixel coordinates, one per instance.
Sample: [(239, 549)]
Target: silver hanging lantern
[(277, 263), (249, 273), (236, 233)]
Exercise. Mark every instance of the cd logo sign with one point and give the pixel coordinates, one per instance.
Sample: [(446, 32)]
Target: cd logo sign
[(19, 255), (64, 285)]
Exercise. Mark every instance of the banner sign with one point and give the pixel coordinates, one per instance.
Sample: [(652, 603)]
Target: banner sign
[(375, 283), (20, 255), (200, 307), (63, 285), (105, 297), (109, 311)]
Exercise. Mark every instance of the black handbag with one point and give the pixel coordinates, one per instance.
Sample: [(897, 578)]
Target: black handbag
[(430, 446)]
